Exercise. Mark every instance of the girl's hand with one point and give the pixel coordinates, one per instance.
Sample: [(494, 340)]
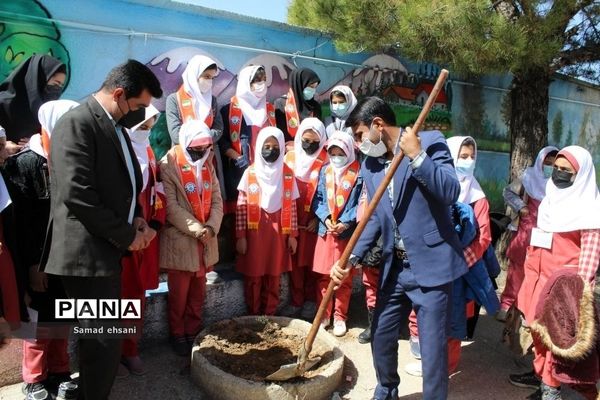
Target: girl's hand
[(292, 245)]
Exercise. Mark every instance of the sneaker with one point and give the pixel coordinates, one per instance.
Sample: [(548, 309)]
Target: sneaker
[(414, 369), (68, 390), (550, 393), (325, 322), (537, 395), (526, 380), (290, 311), (55, 379), (180, 346), (339, 327), (501, 315), (135, 365), (415, 348), (36, 391), (213, 277), (309, 309)]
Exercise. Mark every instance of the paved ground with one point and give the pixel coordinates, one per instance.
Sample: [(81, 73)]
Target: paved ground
[(482, 374)]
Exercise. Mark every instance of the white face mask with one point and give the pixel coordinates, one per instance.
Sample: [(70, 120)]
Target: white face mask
[(140, 136), (338, 161), (465, 167), (259, 89), (339, 109), (205, 84), (373, 150)]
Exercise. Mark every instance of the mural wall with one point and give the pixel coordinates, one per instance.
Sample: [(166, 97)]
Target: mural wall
[(93, 36)]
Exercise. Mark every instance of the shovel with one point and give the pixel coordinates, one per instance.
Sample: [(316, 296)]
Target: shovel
[(304, 363)]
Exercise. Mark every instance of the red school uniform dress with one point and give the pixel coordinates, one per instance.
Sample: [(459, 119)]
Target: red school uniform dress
[(567, 237), (336, 200), (140, 268), (307, 168), (266, 216)]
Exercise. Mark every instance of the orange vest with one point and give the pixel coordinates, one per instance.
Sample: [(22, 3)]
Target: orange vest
[(235, 122), (201, 203), (186, 108), (45, 143), (254, 200), (313, 180), (291, 114), (338, 196)]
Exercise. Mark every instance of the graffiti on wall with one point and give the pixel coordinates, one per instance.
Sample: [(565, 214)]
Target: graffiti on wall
[(19, 40)]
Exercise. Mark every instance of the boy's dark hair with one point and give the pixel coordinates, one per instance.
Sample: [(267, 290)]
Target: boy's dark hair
[(259, 75), (133, 77), (369, 108), (337, 93), (211, 66)]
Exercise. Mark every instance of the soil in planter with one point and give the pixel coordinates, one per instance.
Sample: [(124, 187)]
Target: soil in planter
[(256, 350)]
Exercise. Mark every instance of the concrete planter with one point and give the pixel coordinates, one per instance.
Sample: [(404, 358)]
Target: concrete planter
[(220, 385)]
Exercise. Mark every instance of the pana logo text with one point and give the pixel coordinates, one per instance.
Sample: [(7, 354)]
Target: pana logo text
[(97, 309)]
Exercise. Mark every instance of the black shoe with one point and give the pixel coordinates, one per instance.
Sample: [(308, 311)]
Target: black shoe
[(68, 390), (36, 391), (54, 381), (365, 336), (526, 380), (180, 345)]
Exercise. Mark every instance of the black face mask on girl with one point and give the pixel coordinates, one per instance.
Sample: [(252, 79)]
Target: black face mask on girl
[(196, 155), (52, 92), (310, 147), (270, 155), (562, 179)]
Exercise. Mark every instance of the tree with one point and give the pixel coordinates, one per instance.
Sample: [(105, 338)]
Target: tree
[(531, 39)]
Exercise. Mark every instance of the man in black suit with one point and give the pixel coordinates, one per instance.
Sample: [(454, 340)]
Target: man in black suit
[(95, 182)]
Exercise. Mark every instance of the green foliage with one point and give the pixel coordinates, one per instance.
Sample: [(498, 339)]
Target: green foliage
[(493, 192), (473, 37), (160, 141)]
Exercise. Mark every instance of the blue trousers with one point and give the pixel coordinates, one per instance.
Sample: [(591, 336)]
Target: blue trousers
[(397, 296)]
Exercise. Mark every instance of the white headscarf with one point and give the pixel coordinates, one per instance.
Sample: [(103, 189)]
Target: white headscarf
[(48, 115), (254, 108), (304, 161), (4, 196), (470, 190), (191, 130), (339, 122), (576, 207), (534, 181), (346, 143), (268, 175), (140, 140), (202, 101)]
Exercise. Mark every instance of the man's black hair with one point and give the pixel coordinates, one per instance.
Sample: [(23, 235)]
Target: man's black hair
[(369, 108), (133, 77)]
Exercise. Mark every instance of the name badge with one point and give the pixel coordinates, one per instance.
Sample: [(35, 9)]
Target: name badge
[(540, 238)]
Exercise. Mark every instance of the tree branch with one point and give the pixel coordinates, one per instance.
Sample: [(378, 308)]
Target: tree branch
[(587, 53)]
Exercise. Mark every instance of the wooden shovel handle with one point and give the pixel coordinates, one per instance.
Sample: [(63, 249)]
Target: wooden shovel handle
[(381, 190)]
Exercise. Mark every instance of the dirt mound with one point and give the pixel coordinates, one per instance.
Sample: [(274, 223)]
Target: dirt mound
[(257, 349)]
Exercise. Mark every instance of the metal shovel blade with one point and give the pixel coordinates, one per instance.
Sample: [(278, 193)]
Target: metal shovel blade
[(289, 371)]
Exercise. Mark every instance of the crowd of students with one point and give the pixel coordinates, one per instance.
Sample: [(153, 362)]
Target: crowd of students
[(292, 183)]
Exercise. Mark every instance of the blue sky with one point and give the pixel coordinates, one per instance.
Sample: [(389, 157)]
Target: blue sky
[(275, 10)]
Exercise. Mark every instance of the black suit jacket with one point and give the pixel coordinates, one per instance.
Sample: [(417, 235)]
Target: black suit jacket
[(91, 196)]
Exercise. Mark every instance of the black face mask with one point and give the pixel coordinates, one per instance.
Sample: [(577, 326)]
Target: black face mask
[(270, 155), (196, 155), (52, 92), (562, 179), (132, 118), (310, 147)]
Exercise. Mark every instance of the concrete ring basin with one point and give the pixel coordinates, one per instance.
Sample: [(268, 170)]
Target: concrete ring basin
[(221, 385)]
